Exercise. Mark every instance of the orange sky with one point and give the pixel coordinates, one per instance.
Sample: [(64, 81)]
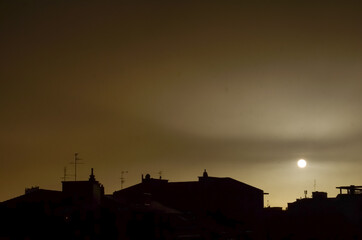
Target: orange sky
[(240, 88)]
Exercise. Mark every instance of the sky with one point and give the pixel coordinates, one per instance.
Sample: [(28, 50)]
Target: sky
[(242, 89)]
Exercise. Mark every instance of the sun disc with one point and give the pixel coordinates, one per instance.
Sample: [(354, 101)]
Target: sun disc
[(302, 163)]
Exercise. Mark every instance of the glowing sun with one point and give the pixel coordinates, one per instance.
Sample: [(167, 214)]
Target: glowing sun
[(302, 163)]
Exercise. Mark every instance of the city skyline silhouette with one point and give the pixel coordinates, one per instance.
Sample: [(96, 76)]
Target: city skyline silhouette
[(210, 208)]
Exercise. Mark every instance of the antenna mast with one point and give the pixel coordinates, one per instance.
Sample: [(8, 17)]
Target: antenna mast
[(123, 178), (65, 174), (76, 159), (160, 174)]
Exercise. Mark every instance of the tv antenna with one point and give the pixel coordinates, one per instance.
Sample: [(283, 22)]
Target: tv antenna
[(65, 175), (123, 178), (76, 159), (160, 174)]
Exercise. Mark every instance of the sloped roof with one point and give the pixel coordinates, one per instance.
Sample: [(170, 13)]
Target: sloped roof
[(190, 184), (39, 195)]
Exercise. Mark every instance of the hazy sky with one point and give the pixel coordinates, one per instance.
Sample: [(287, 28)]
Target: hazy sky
[(241, 88)]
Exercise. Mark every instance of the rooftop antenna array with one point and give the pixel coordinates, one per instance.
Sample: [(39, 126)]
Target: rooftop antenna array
[(123, 178), (76, 159)]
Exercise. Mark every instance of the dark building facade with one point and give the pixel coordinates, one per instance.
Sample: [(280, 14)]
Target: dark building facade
[(321, 217), (209, 195), (91, 191), (210, 208), (79, 211)]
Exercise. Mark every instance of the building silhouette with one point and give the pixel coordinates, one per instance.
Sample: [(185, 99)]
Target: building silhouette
[(79, 211), (209, 195), (91, 191), (210, 208)]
